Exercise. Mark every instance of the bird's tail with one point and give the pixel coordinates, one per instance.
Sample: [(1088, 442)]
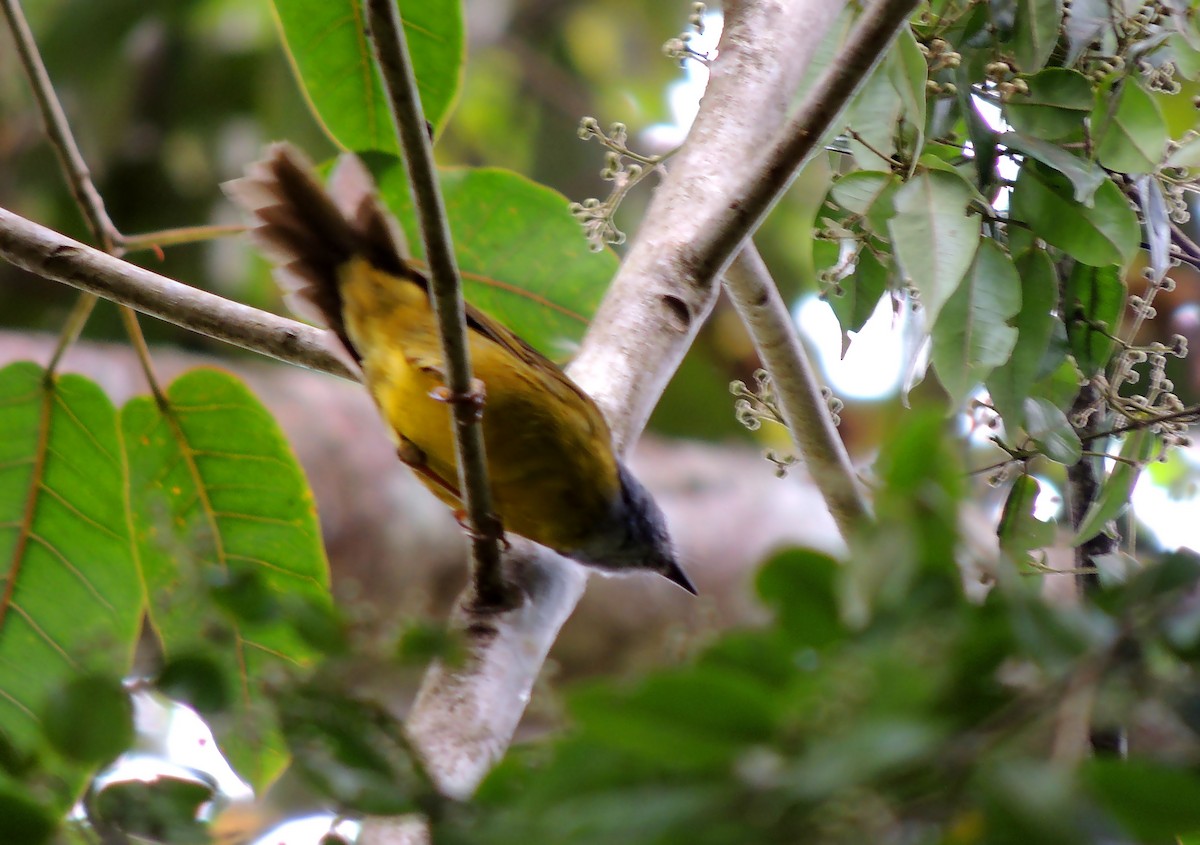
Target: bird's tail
[(313, 233)]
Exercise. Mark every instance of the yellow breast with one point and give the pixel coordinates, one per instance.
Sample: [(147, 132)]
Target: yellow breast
[(550, 460)]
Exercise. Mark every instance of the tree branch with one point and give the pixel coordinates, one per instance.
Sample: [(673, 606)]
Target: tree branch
[(633, 346), (47, 253), (391, 50), (804, 409), (58, 130)]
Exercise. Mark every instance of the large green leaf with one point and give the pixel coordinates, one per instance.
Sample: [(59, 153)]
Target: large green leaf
[(1036, 32), (1086, 176), (1131, 132), (229, 543), (860, 293), (1154, 802), (522, 255), (1050, 429), (971, 336), (1012, 381), (1019, 530), (1092, 305), (934, 237), (1107, 233), (330, 52), (1114, 493), (1055, 106), (70, 598)]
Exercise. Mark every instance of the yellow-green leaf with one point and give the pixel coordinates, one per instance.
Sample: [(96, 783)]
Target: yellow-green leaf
[(229, 544), (70, 598)]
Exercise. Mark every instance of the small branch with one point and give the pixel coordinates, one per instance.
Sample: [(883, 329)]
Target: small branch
[(58, 130), (723, 234), (47, 253), (155, 241), (391, 50), (87, 197), (804, 409)]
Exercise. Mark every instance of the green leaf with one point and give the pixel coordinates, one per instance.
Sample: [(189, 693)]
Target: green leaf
[(859, 190), (1019, 530), (23, 820), (1114, 493), (351, 751), (1153, 802), (1055, 107), (874, 114), (698, 718), (221, 506), (1050, 429), (333, 60), (1106, 233), (971, 336), (165, 809), (1085, 21), (89, 719), (523, 257), (1086, 176), (1012, 381), (800, 585), (934, 237), (909, 71), (70, 598), (1131, 133), (1094, 299), (1036, 32), (860, 292)]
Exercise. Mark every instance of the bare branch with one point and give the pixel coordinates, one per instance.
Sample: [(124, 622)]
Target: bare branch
[(391, 50), (58, 130), (804, 409), (47, 253)]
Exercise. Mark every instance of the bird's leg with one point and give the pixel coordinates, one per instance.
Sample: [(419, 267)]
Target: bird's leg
[(476, 397), (412, 456), (497, 528)]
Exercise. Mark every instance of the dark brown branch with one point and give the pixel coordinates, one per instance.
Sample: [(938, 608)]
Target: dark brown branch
[(391, 49)]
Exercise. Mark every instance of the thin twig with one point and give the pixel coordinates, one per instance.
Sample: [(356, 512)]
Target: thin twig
[(79, 178), (175, 237), (723, 234), (71, 328), (55, 256), (804, 409), (391, 50), (58, 130)]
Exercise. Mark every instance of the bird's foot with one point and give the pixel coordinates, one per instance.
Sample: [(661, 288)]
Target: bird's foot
[(493, 529), (476, 397)]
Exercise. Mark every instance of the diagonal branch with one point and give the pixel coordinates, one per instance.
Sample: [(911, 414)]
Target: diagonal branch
[(58, 130), (54, 256), (804, 409), (391, 49)]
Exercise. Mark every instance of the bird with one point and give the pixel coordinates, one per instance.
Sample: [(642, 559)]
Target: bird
[(554, 473)]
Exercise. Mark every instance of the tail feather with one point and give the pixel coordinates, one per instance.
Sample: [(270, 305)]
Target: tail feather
[(313, 233)]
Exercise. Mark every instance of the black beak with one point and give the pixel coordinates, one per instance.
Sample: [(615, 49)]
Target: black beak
[(673, 573)]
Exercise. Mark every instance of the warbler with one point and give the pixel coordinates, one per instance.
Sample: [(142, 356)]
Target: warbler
[(555, 477)]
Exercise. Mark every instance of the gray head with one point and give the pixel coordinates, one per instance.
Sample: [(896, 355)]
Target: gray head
[(635, 536)]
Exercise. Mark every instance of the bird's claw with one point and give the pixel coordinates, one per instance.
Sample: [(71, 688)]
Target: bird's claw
[(476, 397), (493, 530)]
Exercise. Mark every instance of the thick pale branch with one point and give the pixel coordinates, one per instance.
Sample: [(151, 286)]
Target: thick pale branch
[(54, 256), (641, 332), (804, 409), (391, 49)]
